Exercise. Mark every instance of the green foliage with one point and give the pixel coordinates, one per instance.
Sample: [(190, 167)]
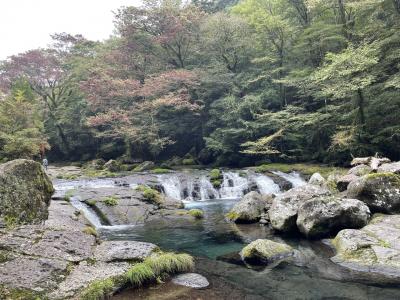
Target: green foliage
[(139, 274), (216, 178), (98, 290), (111, 201), (197, 213), (188, 162), (150, 195), (90, 231)]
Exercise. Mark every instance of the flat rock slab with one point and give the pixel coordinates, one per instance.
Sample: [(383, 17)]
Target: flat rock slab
[(191, 280), (123, 250), (32, 273), (71, 246), (82, 275)]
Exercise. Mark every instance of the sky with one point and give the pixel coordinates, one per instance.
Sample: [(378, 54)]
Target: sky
[(27, 24)]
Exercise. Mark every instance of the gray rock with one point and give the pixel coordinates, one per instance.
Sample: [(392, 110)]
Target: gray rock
[(390, 168), (191, 280), (323, 216), (249, 209), (344, 181), (109, 251), (374, 249), (283, 212), (25, 192), (317, 179), (84, 274), (38, 274), (263, 251), (380, 191), (360, 170)]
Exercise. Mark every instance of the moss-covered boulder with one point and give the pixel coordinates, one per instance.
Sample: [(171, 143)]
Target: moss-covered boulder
[(264, 252), (380, 191), (374, 249), (25, 192), (249, 209), (323, 216), (113, 166)]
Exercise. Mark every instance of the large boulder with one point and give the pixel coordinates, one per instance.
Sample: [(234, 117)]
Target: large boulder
[(263, 252), (25, 192), (283, 212), (380, 191), (249, 209), (323, 216), (374, 249)]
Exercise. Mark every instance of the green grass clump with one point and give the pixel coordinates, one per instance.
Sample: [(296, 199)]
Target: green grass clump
[(4, 256), (68, 195), (160, 171), (197, 213), (111, 201), (99, 289), (150, 195), (91, 202), (157, 266), (305, 169), (90, 231), (139, 274)]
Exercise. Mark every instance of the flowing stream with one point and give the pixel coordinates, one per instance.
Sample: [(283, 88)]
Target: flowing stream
[(311, 276)]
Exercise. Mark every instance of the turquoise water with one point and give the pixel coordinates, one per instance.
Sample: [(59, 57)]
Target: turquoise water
[(311, 276)]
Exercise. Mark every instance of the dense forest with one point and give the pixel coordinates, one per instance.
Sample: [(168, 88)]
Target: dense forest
[(219, 82)]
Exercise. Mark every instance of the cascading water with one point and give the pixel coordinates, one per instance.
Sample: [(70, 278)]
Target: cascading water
[(233, 186), (266, 185), (294, 178), (207, 190), (172, 186)]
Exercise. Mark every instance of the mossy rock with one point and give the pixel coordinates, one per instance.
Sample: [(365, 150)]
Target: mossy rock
[(197, 213), (263, 252), (25, 192)]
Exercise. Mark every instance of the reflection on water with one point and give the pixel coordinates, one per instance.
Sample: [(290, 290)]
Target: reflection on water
[(310, 276)]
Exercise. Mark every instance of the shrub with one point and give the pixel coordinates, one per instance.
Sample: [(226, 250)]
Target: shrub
[(216, 178), (111, 201), (197, 213), (98, 290), (150, 195)]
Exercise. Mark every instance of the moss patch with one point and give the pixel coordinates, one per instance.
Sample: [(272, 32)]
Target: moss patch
[(111, 201), (90, 231), (216, 178), (99, 289), (197, 213), (232, 216), (150, 195)]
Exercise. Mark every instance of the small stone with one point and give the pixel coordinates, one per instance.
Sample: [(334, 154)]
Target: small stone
[(192, 280)]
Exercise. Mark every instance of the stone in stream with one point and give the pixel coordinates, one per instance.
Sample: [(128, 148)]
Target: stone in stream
[(374, 249), (109, 251), (344, 181), (250, 208), (317, 179), (323, 216), (390, 168), (360, 170), (283, 212), (191, 280), (380, 191), (25, 192), (264, 252)]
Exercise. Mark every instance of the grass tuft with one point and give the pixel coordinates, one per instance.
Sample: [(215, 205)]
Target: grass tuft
[(139, 274), (197, 213), (98, 290), (150, 195), (90, 231), (111, 201)]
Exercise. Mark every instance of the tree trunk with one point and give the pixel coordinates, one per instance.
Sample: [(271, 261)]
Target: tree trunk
[(361, 104)]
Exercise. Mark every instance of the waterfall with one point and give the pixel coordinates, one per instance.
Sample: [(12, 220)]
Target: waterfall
[(172, 186), (207, 190), (294, 178), (266, 185), (88, 213), (233, 186)]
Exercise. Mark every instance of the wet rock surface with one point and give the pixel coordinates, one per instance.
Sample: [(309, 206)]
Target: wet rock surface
[(264, 252), (191, 280), (109, 251), (249, 209)]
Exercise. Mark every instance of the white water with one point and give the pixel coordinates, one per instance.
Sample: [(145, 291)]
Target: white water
[(233, 186), (266, 185), (294, 178), (172, 186)]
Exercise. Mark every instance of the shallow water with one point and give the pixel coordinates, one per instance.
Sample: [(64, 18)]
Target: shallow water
[(310, 275)]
